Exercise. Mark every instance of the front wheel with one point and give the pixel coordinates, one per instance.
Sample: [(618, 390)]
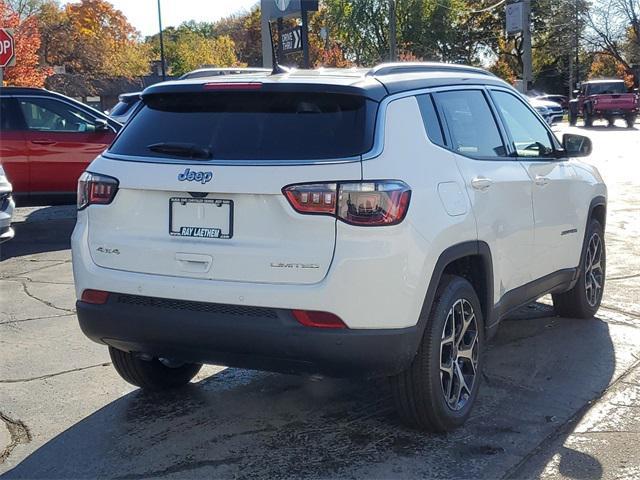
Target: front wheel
[(151, 374), (588, 119), (583, 300), (631, 120), (437, 391)]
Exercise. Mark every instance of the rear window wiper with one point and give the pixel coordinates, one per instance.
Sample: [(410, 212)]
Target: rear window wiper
[(187, 150)]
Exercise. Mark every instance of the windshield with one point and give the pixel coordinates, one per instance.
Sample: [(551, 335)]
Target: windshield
[(606, 88), (251, 126)]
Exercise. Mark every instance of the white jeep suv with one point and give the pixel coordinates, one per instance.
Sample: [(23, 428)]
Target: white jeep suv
[(342, 222)]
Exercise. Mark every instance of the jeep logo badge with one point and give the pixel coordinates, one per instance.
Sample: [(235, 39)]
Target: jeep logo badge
[(189, 176)]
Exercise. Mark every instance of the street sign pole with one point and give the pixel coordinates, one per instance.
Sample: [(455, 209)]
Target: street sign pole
[(305, 35)]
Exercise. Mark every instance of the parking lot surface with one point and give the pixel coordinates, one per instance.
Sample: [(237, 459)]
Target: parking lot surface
[(560, 398)]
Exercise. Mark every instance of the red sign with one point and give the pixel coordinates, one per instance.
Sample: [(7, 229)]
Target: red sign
[(7, 48)]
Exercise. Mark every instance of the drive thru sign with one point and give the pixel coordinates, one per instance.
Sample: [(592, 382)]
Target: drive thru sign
[(7, 48)]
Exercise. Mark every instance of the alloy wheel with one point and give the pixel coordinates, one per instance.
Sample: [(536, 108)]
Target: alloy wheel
[(593, 271), (459, 354)]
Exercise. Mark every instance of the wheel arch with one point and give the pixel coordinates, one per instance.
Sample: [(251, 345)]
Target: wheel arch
[(471, 260), (598, 210)]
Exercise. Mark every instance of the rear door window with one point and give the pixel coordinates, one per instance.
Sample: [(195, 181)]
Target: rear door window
[(471, 124), (431, 121), (10, 116), (252, 126)]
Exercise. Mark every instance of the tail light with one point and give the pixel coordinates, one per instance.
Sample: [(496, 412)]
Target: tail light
[(310, 318), (94, 189), (370, 204)]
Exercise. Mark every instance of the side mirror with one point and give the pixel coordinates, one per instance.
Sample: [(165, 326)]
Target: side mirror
[(636, 90), (101, 125), (576, 145), (576, 92)]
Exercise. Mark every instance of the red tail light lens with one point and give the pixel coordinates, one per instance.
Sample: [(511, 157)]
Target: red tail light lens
[(215, 86), (95, 297), (314, 319), (370, 204), (96, 189), (318, 198)]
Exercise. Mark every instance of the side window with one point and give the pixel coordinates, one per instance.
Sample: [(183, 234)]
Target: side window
[(47, 115), (431, 121), (9, 115), (471, 125), (530, 136)]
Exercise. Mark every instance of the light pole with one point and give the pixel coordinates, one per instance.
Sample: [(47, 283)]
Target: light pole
[(164, 71)]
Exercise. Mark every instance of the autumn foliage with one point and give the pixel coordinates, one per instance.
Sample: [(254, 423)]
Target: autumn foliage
[(27, 72)]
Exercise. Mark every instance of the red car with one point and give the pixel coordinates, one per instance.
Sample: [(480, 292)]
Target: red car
[(48, 140)]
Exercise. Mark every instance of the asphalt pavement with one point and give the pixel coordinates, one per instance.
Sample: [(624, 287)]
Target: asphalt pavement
[(560, 398)]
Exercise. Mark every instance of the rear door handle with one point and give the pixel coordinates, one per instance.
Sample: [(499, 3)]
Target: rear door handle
[(43, 142), (541, 181), (481, 183)]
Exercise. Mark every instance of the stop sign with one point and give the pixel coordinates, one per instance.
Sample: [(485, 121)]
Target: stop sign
[(7, 47)]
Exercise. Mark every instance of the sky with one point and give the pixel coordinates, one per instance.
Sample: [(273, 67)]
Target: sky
[(143, 14)]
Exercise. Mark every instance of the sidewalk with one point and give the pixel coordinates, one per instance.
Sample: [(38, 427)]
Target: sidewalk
[(603, 444)]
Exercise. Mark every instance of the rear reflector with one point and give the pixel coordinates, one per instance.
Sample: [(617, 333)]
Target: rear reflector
[(314, 319), (95, 297), (232, 86)]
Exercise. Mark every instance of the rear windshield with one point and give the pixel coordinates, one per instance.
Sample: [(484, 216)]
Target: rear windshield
[(606, 88), (123, 107), (253, 125)]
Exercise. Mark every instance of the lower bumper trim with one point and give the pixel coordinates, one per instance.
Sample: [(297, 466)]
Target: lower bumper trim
[(258, 338)]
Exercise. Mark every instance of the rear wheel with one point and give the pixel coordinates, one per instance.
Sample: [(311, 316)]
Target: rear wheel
[(437, 391), (583, 300), (573, 118), (588, 119), (631, 120), (611, 122), (151, 374)]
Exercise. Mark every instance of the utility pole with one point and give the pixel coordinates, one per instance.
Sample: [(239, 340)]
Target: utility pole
[(164, 70), (577, 42), (527, 66), (393, 55)]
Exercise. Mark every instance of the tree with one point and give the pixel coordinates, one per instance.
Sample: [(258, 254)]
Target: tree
[(27, 72), (92, 38), (615, 30)]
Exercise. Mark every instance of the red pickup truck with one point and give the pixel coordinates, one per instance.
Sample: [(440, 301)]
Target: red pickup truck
[(604, 99)]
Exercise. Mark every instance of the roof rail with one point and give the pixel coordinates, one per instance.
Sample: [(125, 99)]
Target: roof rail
[(416, 67)]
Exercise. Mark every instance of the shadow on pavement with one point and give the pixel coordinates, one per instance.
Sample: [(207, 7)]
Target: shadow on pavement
[(38, 237), (539, 373)]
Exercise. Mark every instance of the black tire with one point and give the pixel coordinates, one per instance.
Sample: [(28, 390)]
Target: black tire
[(588, 119), (573, 118), (611, 122), (419, 391), (580, 302), (151, 374), (631, 121)]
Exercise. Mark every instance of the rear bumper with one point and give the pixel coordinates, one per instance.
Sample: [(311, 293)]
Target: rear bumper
[(247, 337)]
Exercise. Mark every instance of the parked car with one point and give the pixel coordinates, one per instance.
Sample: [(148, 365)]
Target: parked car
[(6, 208), (217, 72), (127, 103), (552, 112), (48, 140), (342, 222), (560, 99), (604, 99)]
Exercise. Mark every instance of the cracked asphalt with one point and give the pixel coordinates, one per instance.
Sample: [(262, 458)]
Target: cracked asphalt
[(560, 397)]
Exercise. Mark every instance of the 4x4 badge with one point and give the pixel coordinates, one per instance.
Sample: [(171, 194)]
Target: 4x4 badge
[(189, 176)]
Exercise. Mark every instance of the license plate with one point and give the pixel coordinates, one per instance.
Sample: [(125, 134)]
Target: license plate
[(201, 218)]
